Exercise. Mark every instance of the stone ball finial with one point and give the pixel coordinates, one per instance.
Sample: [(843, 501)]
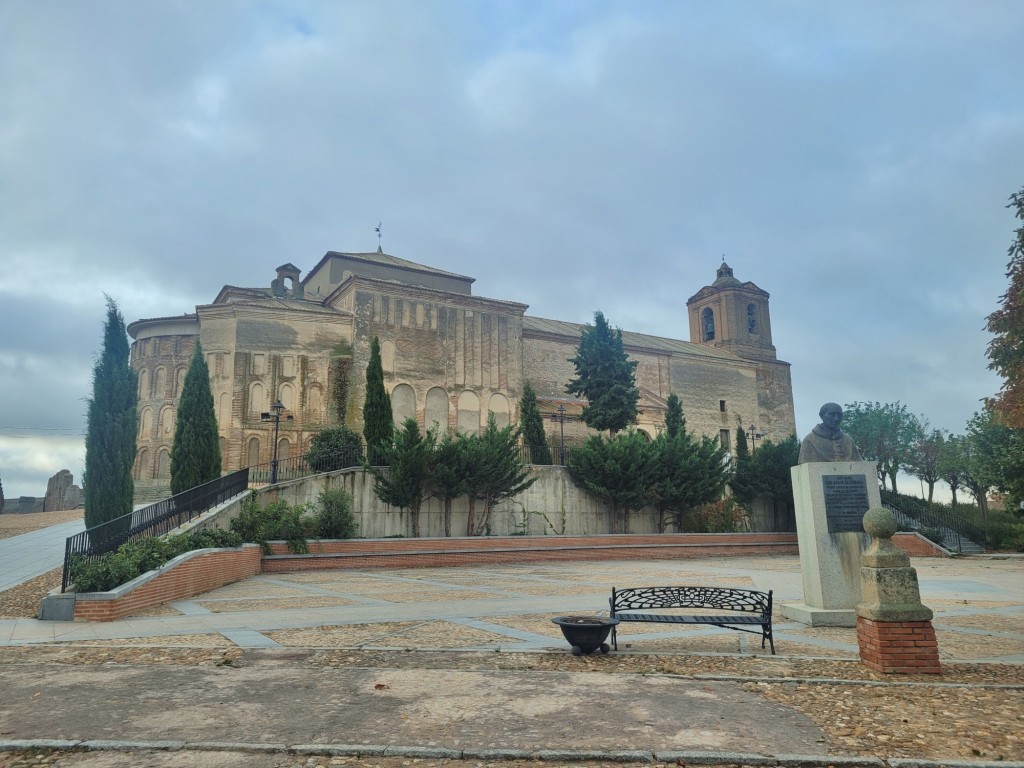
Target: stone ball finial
[(880, 523)]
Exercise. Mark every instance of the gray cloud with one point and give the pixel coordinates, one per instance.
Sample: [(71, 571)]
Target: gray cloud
[(853, 160)]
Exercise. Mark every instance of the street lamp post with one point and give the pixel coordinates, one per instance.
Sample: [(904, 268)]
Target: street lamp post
[(560, 418), (754, 436), (275, 415)]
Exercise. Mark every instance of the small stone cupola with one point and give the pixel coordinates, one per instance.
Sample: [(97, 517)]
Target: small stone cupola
[(732, 315), (287, 284)]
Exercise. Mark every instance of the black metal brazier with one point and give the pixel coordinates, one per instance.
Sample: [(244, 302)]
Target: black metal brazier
[(586, 634)]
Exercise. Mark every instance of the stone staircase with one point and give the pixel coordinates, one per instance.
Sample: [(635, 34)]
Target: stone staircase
[(951, 540)]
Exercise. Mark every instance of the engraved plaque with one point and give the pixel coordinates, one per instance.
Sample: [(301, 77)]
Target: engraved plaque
[(846, 501)]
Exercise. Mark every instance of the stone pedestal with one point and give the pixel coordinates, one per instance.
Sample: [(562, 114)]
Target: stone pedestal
[(894, 630), (830, 501)]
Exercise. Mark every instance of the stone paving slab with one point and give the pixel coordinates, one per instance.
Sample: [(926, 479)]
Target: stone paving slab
[(443, 709)]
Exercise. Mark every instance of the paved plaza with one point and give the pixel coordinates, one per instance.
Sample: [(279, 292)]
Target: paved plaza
[(464, 666)]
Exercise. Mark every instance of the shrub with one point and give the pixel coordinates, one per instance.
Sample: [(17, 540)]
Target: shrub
[(933, 534), (278, 520), (1005, 531), (334, 448), (135, 558), (334, 518)]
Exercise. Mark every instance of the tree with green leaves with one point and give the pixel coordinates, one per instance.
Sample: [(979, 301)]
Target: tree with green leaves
[(884, 432), (772, 463), (494, 471), (606, 377), (686, 471), (1006, 324), (765, 473), (744, 484), (378, 420), (448, 474), (951, 464), (993, 459), (111, 425), (532, 425), (334, 448), (675, 422), (618, 470), (195, 453), (926, 458), (401, 479)]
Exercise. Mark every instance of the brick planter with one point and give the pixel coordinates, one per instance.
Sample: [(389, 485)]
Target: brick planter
[(185, 576)]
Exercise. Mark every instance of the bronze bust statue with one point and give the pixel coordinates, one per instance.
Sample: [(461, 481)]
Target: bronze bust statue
[(827, 442)]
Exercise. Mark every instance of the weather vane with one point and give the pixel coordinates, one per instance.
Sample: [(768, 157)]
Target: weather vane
[(380, 234)]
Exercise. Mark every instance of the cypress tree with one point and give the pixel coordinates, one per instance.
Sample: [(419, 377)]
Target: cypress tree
[(532, 425), (110, 427), (378, 421), (606, 377), (195, 455), (675, 422), (1, 496)]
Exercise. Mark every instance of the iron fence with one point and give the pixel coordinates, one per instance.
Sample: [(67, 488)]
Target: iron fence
[(154, 520), (960, 527), (560, 456), (297, 467)]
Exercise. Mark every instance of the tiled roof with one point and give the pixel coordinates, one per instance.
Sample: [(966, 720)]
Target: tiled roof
[(629, 338), (386, 259)]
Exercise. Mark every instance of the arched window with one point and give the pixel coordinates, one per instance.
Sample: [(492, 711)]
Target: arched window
[(498, 405), (403, 403), (163, 471), (257, 400), (146, 424), (437, 409), (142, 470), (160, 382), (707, 324), (287, 395), (469, 413), (387, 356), (166, 422), (253, 452), (144, 384), (284, 449), (180, 381), (752, 319)]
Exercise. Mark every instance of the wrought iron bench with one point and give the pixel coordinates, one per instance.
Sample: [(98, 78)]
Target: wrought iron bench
[(749, 606)]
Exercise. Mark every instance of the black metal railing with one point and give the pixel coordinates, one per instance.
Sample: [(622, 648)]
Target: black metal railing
[(559, 456), (961, 529), (154, 520), (297, 467)]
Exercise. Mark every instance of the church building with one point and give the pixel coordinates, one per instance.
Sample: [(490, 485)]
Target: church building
[(449, 358)]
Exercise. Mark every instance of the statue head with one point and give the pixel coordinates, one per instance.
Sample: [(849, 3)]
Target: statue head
[(831, 414)]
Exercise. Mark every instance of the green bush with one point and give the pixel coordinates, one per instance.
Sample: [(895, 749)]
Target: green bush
[(135, 558), (1005, 531), (334, 448), (276, 521), (936, 535), (334, 518)]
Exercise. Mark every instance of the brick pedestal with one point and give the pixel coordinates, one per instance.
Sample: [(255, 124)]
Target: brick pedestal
[(898, 647)]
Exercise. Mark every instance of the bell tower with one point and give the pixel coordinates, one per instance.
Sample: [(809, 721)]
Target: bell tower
[(732, 316)]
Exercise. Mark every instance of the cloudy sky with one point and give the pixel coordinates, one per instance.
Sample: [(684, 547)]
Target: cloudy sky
[(853, 159)]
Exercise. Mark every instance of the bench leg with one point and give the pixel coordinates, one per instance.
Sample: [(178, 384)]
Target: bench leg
[(615, 640)]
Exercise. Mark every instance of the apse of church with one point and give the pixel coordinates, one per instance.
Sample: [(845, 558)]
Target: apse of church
[(449, 358)]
